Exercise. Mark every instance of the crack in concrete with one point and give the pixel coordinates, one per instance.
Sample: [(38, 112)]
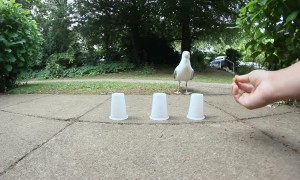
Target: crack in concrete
[(273, 138), (232, 115), (277, 140), (263, 116), (72, 121), (56, 119), (244, 121), (157, 123), (77, 120), (98, 105), (35, 116), (30, 100), (34, 149)]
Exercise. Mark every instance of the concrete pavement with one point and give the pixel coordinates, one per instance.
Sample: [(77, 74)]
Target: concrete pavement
[(53, 136)]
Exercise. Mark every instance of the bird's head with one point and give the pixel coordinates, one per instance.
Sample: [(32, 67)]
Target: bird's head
[(186, 54)]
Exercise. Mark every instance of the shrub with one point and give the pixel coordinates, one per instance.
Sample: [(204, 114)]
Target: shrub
[(19, 42), (243, 69), (54, 70), (197, 61), (147, 69)]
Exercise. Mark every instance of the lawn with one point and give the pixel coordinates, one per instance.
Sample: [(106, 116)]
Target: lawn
[(82, 86), (208, 76)]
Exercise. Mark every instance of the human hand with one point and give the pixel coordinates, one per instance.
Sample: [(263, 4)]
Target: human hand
[(253, 90)]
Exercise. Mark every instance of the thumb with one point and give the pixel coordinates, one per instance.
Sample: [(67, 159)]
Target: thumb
[(242, 78)]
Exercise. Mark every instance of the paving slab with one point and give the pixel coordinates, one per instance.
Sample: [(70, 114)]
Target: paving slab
[(9, 100), (20, 134), (58, 106), (71, 137), (210, 89), (139, 109), (284, 128), (159, 151), (227, 104)]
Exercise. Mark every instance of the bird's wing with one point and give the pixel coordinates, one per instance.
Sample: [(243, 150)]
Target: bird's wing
[(192, 74)]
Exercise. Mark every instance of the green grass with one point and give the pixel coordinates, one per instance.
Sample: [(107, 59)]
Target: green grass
[(105, 87), (93, 88), (210, 76)]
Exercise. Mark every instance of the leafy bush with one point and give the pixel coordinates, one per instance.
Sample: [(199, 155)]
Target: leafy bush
[(20, 42), (54, 70), (233, 55), (273, 30), (197, 61), (243, 69), (147, 69)]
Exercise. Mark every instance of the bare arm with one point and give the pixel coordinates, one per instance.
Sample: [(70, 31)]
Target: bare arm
[(259, 87)]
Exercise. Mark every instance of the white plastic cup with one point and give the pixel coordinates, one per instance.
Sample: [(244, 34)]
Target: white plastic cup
[(159, 110), (196, 107), (118, 107)]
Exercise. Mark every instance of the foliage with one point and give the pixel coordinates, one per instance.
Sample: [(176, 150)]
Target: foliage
[(147, 69), (234, 56), (273, 29), (20, 42), (54, 70), (244, 69), (129, 25), (197, 61)]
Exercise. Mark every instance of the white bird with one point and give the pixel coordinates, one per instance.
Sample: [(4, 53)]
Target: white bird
[(184, 71)]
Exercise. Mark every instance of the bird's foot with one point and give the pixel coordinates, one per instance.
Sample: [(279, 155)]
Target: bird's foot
[(187, 93), (177, 92)]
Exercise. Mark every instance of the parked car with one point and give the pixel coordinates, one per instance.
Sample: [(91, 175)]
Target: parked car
[(255, 65), (218, 62)]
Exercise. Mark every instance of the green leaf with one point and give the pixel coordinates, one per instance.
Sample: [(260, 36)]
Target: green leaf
[(2, 38), (291, 17), (8, 50), (11, 58), (8, 67), (255, 54), (20, 42), (262, 2)]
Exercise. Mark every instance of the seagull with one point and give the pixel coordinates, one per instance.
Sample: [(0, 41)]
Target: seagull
[(184, 71)]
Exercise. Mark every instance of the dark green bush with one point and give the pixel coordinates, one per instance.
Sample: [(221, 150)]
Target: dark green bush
[(243, 69), (147, 69), (197, 61), (20, 42), (54, 70)]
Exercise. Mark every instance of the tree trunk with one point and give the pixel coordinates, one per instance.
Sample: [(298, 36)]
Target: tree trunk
[(135, 40), (185, 24)]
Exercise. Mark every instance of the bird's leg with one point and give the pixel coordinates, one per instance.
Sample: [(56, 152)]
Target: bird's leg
[(178, 92), (186, 92)]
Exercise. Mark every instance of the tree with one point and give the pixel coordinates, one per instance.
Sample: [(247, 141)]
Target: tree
[(273, 30), (233, 56), (195, 20), (128, 24), (56, 28), (20, 42)]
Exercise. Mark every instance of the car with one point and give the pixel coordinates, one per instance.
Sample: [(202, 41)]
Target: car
[(255, 65), (218, 62), (215, 64)]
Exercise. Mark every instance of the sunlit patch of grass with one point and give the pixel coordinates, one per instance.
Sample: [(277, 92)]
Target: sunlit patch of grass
[(93, 88)]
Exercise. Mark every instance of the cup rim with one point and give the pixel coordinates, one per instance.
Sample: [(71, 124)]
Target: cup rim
[(159, 119), (117, 118), (196, 118)]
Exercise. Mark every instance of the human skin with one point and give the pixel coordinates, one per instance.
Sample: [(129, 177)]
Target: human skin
[(260, 88)]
